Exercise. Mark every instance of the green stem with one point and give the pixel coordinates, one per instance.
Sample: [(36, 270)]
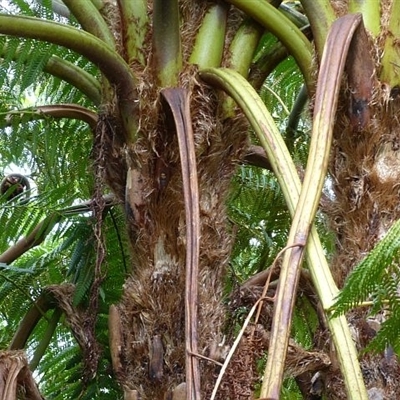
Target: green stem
[(294, 117), (38, 310), (371, 12), (243, 46), (297, 18), (167, 52), (209, 45), (109, 62), (71, 111), (294, 40), (241, 53), (390, 73), (134, 22), (75, 76), (99, 4), (321, 16), (91, 20), (45, 339), (68, 72)]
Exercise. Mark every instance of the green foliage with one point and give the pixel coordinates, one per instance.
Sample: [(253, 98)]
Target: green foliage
[(261, 221), (57, 156), (376, 279), (67, 255)]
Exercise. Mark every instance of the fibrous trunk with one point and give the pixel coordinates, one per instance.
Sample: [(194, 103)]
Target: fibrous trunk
[(147, 328)]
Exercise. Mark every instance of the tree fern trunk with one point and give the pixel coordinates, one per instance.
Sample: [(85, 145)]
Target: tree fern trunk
[(149, 323)]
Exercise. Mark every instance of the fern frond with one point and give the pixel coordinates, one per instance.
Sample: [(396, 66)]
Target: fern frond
[(372, 275), (261, 220)]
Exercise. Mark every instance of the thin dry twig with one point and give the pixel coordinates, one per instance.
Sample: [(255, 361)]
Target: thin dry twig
[(257, 306)]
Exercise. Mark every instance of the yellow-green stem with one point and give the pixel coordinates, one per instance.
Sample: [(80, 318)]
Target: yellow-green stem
[(209, 45), (110, 63), (241, 53), (287, 32), (167, 52), (371, 12), (91, 20), (390, 73), (134, 28), (321, 16)]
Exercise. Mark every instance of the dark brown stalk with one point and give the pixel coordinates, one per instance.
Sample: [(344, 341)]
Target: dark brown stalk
[(179, 102)]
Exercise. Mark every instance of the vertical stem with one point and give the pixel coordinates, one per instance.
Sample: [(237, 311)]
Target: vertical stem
[(91, 20), (370, 11), (134, 28), (209, 46), (179, 102), (241, 53), (167, 50), (321, 16), (390, 73)]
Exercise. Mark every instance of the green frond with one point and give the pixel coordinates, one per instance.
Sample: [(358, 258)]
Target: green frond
[(279, 91), (261, 220), (388, 335), (305, 322), (370, 276), (376, 279), (59, 368), (84, 274)]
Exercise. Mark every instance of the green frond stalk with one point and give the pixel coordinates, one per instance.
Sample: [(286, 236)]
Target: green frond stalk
[(37, 311), (294, 117), (297, 18), (91, 20), (45, 339), (243, 46), (110, 63), (134, 22), (71, 111), (241, 53), (390, 73), (167, 51), (209, 45), (287, 32), (68, 72), (371, 13), (321, 16), (99, 4), (284, 168), (75, 76)]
